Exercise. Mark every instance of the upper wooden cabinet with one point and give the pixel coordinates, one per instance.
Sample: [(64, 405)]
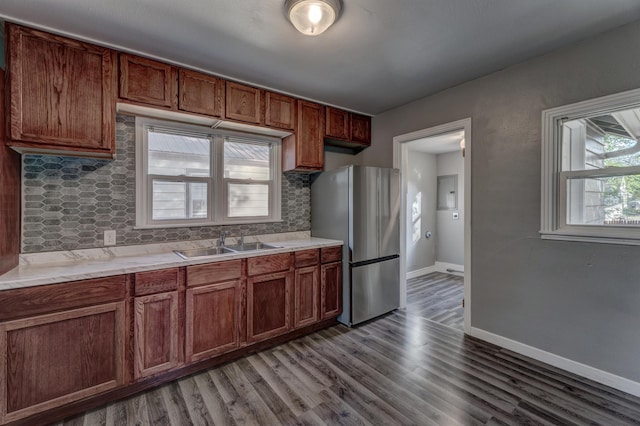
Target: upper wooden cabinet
[(61, 94), (243, 103), (280, 111), (148, 82), (360, 129), (304, 150), (347, 129), (201, 93), (337, 123)]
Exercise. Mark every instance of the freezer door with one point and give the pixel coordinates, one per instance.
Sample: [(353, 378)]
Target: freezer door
[(375, 212), (375, 289)]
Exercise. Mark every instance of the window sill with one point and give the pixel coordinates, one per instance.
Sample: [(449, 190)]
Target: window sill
[(589, 239), (204, 224)]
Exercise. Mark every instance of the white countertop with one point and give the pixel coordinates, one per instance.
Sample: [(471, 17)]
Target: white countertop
[(56, 267)]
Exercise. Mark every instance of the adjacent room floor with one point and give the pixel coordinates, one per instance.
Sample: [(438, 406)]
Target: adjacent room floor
[(400, 369), (437, 297)]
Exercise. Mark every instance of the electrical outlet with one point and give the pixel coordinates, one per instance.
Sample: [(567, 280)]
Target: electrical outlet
[(110, 237)]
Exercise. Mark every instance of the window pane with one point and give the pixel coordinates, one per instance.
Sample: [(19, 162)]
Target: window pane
[(177, 155), (604, 201), (246, 160), (601, 141), (179, 200), (248, 200)]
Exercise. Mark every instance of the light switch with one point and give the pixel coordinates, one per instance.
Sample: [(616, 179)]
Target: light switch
[(456, 216)]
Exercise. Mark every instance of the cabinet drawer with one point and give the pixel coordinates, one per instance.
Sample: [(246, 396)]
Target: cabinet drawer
[(156, 281), (25, 302), (213, 272), (307, 258), (267, 264), (331, 254)]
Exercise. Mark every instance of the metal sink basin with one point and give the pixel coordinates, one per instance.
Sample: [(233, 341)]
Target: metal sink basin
[(201, 252), (252, 247)]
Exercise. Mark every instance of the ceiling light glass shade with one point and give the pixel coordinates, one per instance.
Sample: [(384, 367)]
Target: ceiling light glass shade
[(313, 17)]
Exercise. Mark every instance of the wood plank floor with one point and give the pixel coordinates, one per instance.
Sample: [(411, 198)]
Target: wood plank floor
[(399, 370), (437, 297)]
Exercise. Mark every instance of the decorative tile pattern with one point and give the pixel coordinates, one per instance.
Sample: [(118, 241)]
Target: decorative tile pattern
[(69, 202)]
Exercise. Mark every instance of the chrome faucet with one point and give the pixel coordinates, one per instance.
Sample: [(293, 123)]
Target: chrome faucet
[(221, 238), (241, 242)]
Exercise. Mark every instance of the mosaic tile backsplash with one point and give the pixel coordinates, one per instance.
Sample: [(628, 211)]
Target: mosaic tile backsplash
[(70, 202)]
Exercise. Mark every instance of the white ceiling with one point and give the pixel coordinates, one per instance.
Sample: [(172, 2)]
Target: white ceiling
[(379, 55)]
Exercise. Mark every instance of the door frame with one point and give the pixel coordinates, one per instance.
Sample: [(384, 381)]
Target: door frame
[(400, 161)]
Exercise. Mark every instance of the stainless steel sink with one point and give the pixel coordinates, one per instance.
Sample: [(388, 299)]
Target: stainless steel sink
[(201, 252), (252, 246)]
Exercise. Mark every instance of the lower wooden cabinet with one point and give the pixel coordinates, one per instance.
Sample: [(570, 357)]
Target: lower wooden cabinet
[(156, 334), (53, 359), (268, 306), (212, 319), (306, 292), (331, 290)]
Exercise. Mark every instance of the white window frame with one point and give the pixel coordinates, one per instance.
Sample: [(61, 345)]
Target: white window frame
[(553, 224), (216, 195)]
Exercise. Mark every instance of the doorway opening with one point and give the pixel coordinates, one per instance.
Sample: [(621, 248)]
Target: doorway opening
[(435, 238)]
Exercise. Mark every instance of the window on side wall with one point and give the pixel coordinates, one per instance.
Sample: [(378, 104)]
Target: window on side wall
[(591, 170), (190, 175)]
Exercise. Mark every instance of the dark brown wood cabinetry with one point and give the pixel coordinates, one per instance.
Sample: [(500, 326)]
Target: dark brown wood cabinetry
[(61, 347), (61, 94), (280, 111), (347, 129), (157, 331), (201, 93), (244, 103), (330, 282), (337, 123), (304, 150), (148, 82), (269, 286), (213, 309), (360, 129)]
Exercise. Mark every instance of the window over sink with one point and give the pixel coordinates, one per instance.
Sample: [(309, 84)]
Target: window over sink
[(190, 175)]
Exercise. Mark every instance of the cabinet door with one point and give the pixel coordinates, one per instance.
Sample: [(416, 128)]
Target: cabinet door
[(268, 306), (337, 123), (243, 103), (156, 342), (304, 150), (61, 93), (146, 81), (361, 129), (213, 320), (54, 359), (331, 290), (280, 111), (201, 93), (306, 292)]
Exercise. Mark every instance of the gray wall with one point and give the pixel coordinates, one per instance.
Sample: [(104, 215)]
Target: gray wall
[(421, 179), (576, 300), (450, 232), (70, 202)]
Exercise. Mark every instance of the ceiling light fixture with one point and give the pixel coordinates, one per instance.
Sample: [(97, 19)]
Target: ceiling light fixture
[(313, 17)]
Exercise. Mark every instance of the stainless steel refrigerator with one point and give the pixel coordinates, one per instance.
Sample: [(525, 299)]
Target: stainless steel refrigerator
[(361, 206)]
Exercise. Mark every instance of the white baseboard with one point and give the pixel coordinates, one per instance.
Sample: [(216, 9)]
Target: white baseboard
[(442, 267), (600, 376), (420, 272)]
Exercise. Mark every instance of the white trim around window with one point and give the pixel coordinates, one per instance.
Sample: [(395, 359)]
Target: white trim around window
[(553, 223), (217, 206)]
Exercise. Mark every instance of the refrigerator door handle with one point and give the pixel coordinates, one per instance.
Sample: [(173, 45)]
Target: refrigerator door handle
[(372, 261)]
